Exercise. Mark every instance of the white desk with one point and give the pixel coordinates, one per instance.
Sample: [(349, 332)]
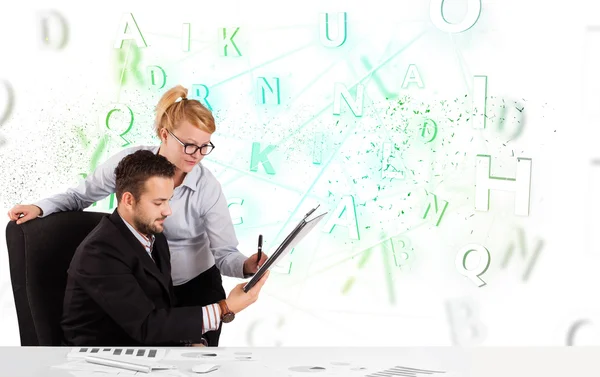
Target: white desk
[(346, 362)]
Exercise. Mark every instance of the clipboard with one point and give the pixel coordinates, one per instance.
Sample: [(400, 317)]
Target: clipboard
[(295, 236)]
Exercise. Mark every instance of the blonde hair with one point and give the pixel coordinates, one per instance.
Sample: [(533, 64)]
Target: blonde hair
[(170, 112)]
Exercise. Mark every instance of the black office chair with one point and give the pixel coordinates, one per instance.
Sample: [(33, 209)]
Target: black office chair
[(39, 254)]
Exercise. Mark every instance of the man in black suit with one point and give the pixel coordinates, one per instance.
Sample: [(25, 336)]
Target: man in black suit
[(119, 289)]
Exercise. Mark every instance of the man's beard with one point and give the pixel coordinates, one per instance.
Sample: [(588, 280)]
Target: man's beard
[(147, 228)]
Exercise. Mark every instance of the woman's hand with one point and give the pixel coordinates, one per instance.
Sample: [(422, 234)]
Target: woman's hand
[(21, 213), (252, 264)]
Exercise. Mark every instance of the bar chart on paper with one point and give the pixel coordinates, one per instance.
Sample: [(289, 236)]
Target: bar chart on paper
[(148, 354)]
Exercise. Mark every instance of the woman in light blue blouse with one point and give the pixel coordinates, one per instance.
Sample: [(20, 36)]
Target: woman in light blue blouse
[(200, 232)]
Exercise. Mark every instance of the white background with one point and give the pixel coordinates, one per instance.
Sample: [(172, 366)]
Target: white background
[(542, 54)]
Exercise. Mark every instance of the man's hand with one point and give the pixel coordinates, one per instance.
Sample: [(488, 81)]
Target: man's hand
[(28, 212), (252, 264), (239, 300)]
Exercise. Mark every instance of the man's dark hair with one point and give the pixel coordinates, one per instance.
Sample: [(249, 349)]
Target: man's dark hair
[(135, 169)]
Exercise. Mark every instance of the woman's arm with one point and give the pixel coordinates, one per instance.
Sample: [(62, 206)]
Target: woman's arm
[(219, 227), (95, 187)]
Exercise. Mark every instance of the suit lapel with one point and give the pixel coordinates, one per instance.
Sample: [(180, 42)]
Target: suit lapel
[(162, 249), (137, 248)]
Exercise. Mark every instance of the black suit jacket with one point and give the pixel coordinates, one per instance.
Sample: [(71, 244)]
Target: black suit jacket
[(116, 294)]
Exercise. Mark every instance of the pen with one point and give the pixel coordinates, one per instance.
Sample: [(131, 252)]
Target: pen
[(119, 364), (259, 248), (311, 211)]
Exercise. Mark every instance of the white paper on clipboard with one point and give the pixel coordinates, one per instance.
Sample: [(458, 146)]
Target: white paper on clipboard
[(296, 235)]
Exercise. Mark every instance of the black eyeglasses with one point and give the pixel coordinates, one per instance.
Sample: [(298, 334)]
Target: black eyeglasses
[(190, 149)]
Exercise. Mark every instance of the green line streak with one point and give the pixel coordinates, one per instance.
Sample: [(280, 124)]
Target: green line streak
[(82, 137), (98, 152), (365, 258), (349, 283), (377, 80), (394, 253), (388, 272), (123, 71), (368, 66)]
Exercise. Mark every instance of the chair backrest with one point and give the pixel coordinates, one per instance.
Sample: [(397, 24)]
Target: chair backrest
[(39, 254)]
